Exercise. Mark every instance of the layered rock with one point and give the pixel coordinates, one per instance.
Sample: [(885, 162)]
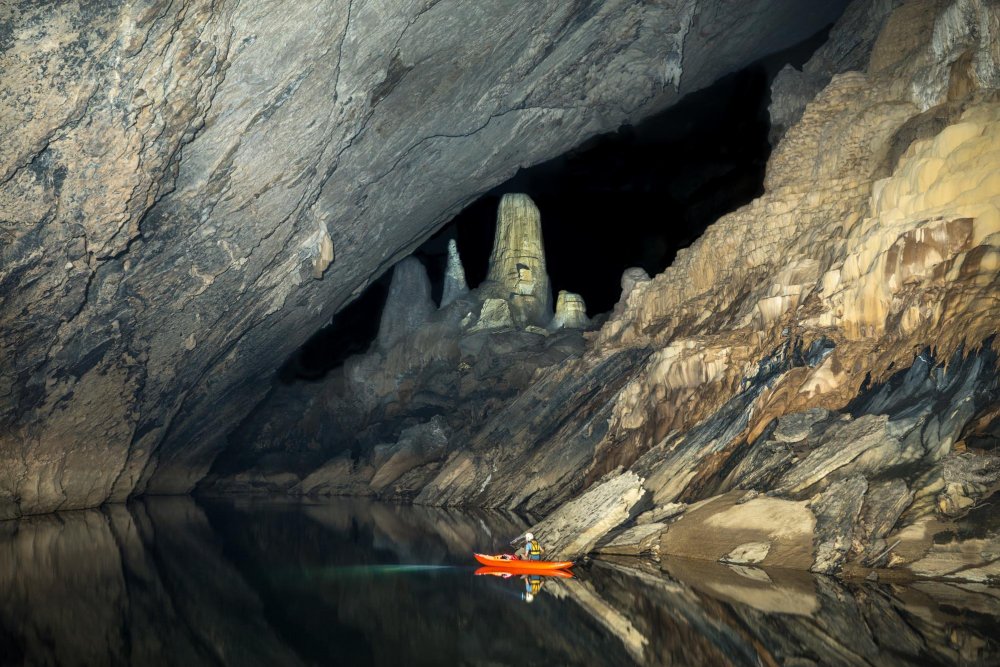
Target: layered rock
[(517, 270), (175, 177)]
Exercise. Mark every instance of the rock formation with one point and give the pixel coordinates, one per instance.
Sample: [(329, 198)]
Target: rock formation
[(454, 277), (517, 263), (630, 279), (848, 49), (813, 383), (408, 305), (571, 312), (173, 178)]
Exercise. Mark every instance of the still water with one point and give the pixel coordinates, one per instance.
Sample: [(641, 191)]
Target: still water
[(183, 582)]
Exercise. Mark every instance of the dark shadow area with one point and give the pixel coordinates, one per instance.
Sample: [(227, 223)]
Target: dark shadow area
[(628, 198), (350, 332)]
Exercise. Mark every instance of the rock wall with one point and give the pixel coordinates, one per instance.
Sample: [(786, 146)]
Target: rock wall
[(189, 189), (813, 383)]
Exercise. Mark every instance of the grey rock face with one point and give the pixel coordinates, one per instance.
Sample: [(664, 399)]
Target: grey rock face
[(408, 305), (174, 183), (454, 277)]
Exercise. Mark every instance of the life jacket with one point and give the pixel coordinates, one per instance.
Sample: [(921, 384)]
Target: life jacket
[(535, 584), (534, 550)]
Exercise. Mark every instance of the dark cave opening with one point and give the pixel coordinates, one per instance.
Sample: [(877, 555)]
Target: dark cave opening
[(628, 198)]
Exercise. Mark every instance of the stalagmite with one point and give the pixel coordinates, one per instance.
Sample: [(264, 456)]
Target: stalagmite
[(630, 278), (571, 312), (409, 303), (517, 265), (454, 277)]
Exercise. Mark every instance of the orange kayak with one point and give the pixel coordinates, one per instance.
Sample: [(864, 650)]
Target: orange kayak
[(515, 571), (504, 561)]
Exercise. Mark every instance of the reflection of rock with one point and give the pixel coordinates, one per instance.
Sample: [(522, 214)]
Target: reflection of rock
[(408, 305), (517, 264), (571, 312), (118, 587), (454, 277), (699, 613)]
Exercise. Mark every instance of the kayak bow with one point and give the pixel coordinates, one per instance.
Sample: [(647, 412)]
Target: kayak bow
[(505, 561)]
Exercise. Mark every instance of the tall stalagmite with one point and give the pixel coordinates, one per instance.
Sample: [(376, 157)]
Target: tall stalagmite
[(454, 277), (517, 265), (409, 303)]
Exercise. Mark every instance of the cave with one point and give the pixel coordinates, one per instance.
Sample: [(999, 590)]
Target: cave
[(311, 314)]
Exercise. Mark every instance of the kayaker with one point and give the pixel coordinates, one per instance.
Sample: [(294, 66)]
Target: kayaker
[(532, 550)]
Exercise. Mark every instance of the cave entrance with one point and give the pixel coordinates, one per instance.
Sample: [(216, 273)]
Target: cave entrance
[(628, 198)]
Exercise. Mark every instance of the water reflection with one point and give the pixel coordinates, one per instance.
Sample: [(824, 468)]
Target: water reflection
[(171, 581)]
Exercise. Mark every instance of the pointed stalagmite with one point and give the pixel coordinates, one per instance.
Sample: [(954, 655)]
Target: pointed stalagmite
[(517, 265), (571, 312), (409, 303), (454, 278)]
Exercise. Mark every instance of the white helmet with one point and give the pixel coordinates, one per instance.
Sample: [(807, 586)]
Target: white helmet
[(528, 597), (529, 537)]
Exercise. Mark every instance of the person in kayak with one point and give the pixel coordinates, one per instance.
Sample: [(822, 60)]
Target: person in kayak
[(532, 550)]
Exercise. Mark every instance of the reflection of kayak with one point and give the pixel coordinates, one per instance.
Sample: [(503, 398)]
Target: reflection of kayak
[(515, 571), (505, 561)]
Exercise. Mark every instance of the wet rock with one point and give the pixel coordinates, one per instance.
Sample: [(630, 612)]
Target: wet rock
[(639, 540), (574, 529), (454, 277), (408, 305), (517, 270), (714, 528), (571, 312), (749, 553)]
